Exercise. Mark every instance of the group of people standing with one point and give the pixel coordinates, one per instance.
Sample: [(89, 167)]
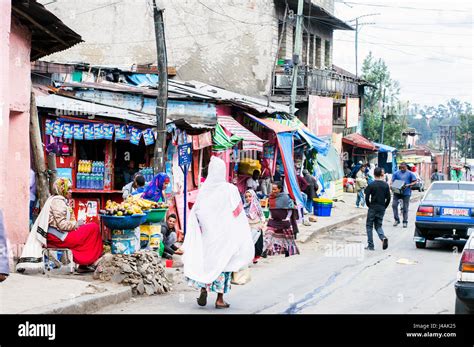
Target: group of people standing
[(225, 235)]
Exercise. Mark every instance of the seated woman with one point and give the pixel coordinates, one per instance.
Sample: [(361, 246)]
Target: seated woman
[(282, 227), (256, 219), (156, 189), (56, 227)]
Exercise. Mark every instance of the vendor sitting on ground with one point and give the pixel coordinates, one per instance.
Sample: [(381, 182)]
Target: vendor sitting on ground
[(56, 227), (137, 186), (169, 237)]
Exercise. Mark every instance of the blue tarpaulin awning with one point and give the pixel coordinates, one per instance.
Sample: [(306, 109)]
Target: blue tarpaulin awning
[(384, 148)]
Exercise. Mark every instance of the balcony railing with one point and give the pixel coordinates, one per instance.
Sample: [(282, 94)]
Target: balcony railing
[(316, 82)]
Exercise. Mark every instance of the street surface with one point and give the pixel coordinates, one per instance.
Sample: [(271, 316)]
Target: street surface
[(334, 274)]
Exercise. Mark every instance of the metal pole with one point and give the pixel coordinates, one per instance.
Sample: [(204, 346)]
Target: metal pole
[(357, 47), (383, 117), (185, 171), (297, 53), (162, 98), (449, 153)]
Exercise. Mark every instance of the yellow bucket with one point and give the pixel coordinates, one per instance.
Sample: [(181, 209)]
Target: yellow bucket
[(323, 201)]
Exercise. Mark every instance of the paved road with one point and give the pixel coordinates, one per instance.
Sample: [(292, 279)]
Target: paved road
[(334, 275)]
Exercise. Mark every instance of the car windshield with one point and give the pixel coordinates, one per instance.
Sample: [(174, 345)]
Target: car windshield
[(444, 193)]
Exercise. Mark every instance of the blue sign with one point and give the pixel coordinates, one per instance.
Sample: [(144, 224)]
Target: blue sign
[(185, 153)]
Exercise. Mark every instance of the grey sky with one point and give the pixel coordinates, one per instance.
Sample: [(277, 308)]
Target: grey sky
[(429, 52)]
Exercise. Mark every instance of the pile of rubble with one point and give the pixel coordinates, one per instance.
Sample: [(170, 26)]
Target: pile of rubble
[(143, 271)]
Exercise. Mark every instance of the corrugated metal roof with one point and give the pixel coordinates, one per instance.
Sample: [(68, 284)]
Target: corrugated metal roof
[(49, 33), (78, 107), (360, 141), (73, 107), (201, 89)]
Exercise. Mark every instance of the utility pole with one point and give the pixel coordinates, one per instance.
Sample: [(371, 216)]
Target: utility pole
[(383, 114), (162, 98), (297, 54), (358, 25), (449, 153), (357, 47)]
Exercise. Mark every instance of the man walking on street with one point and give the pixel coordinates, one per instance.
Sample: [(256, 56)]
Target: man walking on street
[(410, 180), (377, 198)]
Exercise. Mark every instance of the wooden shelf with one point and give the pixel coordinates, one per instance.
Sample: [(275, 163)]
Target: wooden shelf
[(92, 191)]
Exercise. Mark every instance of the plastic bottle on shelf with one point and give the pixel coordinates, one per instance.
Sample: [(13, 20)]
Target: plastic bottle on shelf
[(88, 181)]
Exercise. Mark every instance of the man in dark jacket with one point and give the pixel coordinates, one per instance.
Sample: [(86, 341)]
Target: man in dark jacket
[(377, 198)]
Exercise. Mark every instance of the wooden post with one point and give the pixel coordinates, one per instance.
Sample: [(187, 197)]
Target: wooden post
[(162, 98), (52, 170), (38, 153)]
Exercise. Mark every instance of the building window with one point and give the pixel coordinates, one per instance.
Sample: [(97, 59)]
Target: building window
[(318, 52), (327, 53), (311, 51)]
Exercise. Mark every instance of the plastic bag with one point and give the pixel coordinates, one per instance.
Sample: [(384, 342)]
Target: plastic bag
[(161, 250)]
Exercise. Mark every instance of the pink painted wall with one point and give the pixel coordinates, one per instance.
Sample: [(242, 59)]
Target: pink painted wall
[(15, 94), (5, 18)]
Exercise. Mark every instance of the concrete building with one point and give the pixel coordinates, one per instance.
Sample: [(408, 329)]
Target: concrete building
[(244, 46), (24, 37)]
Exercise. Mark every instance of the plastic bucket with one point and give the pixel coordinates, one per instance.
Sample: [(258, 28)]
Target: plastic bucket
[(123, 243), (322, 210), (266, 213), (156, 215)]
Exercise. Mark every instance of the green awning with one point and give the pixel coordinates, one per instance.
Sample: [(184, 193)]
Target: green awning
[(222, 142)]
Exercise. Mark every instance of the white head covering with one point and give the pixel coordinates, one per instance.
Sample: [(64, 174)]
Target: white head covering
[(216, 241)]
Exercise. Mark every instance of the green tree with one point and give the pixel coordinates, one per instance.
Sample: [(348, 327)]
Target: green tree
[(376, 72)]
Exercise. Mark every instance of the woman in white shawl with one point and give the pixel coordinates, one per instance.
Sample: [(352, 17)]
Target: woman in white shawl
[(218, 239)]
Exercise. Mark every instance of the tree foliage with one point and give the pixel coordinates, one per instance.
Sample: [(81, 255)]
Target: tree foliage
[(384, 91), (427, 120)]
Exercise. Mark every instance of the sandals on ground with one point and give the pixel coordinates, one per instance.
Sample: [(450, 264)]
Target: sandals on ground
[(220, 307), (202, 300)]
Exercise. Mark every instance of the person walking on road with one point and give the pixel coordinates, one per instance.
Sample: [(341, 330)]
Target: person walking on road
[(410, 180), (377, 198), (218, 239), (360, 185)]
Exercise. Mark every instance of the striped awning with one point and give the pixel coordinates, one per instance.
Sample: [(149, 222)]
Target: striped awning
[(222, 142), (251, 142)]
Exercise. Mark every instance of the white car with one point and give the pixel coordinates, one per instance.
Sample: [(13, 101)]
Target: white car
[(465, 284)]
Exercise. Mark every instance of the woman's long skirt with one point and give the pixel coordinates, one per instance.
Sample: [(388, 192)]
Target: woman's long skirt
[(280, 241), (85, 243), (221, 285)]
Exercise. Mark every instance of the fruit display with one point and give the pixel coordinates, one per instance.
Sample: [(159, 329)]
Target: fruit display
[(131, 206)]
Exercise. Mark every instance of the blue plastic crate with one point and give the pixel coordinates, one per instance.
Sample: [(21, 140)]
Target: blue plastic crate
[(322, 210)]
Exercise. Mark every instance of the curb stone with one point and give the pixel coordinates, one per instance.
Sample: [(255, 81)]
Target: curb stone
[(85, 304), (352, 219)]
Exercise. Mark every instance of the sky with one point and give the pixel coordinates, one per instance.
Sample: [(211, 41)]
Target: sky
[(427, 45)]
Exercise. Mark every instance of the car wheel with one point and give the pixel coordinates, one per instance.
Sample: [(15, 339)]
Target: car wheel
[(461, 308)]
